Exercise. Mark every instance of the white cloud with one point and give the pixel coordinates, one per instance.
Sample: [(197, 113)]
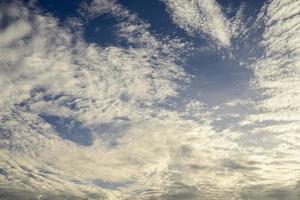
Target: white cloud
[(15, 32), (44, 72), (198, 17), (278, 71), (163, 153), (50, 74), (274, 125)]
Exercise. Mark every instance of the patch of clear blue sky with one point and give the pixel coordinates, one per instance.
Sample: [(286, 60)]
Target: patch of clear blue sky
[(62, 9)]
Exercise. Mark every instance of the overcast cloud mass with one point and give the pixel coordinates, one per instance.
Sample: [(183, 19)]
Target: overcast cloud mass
[(150, 100)]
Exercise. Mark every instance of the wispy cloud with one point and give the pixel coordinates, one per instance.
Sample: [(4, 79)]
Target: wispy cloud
[(201, 17)]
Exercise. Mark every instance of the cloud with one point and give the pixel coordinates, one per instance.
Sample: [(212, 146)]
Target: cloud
[(201, 17), (17, 31), (54, 81), (277, 71), (12, 194), (272, 125), (89, 121), (59, 89)]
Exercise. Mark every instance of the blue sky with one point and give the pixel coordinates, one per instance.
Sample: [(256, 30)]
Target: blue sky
[(156, 99)]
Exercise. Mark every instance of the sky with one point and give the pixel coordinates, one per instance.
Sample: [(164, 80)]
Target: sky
[(149, 99)]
